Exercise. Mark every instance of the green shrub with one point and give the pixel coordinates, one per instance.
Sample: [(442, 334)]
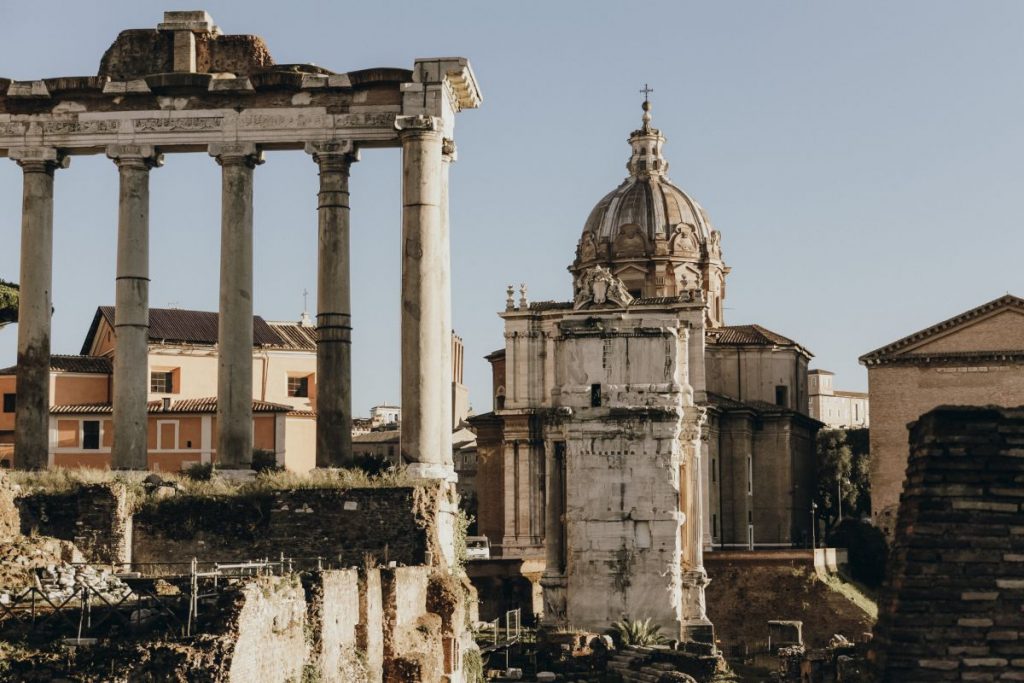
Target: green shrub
[(264, 460), (630, 632), (200, 471)]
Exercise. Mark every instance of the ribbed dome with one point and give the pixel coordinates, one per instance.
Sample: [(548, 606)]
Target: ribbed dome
[(652, 203), (651, 234)]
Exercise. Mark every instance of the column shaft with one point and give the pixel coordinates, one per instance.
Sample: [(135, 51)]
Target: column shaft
[(445, 301), (422, 308), (235, 330), (334, 306), (35, 304), (131, 313)]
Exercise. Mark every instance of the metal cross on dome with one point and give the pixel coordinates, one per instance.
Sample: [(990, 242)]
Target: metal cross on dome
[(646, 90)]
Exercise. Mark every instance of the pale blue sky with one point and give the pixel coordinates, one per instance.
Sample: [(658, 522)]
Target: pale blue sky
[(862, 160)]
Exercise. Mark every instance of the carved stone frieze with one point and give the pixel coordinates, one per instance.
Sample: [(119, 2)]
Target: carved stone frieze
[(597, 286), (197, 123)]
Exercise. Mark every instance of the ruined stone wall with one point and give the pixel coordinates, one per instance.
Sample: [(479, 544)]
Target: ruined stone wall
[(953, 602), (343, 527), (95, 517)]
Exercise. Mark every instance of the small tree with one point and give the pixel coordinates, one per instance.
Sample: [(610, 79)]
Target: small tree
[(8, 303), (842, 474)]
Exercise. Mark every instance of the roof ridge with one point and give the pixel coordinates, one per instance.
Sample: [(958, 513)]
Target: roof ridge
[(1008, 300)]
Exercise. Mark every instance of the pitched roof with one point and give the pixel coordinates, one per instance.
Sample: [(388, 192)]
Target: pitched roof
[(98, 365), (389, 436), (886, 352), (745, 335), (181, 326), (295, 336), (188, 405)]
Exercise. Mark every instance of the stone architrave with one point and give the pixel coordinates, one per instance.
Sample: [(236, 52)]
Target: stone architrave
[(235, 325), (35, 305), (334, 304), (131, 312)]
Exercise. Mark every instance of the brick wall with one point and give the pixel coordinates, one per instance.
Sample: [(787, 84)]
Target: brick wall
[(953, 605), (901, 393), (397, 524), (95, 517)]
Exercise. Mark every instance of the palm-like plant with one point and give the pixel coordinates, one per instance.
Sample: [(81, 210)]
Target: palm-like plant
[(638, 632)]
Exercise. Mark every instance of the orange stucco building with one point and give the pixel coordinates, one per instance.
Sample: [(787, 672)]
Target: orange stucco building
[(182, 407)]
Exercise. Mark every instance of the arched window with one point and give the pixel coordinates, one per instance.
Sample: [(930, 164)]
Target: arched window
[(499, 399)]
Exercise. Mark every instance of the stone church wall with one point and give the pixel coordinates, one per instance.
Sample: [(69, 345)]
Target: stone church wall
[(953, 602)]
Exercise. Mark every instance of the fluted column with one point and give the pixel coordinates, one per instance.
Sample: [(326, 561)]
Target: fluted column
[(234, 334), (35, 304), (131, 312), (448, 156), (422, 308), (334, 305), (553, 581)]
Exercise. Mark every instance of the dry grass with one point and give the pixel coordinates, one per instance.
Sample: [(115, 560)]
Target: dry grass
[(59, 480)]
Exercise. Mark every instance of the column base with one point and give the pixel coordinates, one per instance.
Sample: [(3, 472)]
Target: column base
[(697, 628), (555, 600), (426, 470)]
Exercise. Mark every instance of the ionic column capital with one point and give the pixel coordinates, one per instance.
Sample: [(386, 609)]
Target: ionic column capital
[(449, 152), (333, 156), (419, 124), (39, 159), (237, 154), (142, 157)]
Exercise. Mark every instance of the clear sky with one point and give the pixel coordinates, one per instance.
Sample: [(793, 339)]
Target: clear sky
[(863, 161)]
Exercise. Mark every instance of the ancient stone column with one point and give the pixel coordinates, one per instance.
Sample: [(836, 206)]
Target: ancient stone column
[(35, 305), (334, 305), (423, 322), (131, 312), (234, 334), (448, 156), (696, 625), (553, 581)]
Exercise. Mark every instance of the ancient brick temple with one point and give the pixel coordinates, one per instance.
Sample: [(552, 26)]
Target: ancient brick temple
[(953, 606), (185, 87)]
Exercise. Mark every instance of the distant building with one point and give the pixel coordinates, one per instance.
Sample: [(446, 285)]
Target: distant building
[(975, 358), (837, 409), (382, 416), (381, 443), (182, 359)]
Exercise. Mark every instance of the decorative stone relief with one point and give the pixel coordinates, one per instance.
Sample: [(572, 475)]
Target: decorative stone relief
[(177, 124), (598, 286), (630, 242)]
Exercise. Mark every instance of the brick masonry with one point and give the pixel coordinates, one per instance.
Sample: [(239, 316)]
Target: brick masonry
[(953, 605)]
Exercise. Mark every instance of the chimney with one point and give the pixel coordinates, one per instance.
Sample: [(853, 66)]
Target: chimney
[(167, 403)]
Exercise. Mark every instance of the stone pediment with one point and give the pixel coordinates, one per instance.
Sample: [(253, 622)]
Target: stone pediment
[(996, 327)]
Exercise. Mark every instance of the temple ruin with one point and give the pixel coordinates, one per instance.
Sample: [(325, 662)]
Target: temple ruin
[(186, 87)]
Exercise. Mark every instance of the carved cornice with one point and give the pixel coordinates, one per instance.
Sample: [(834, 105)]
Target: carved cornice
[(419, 124)]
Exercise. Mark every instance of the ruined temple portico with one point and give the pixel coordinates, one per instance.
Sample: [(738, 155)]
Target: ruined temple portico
[(184, 87)]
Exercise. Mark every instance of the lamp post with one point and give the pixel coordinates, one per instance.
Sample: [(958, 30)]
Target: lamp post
[(814, 509)]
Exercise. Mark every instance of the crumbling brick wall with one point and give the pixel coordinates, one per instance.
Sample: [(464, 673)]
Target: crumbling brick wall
[(953, 602), (95, 517)]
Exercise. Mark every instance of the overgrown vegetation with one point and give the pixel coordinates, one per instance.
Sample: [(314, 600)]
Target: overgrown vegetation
[(867, 548), (462, 524), (637, 632), (473, 666), (8, 302)]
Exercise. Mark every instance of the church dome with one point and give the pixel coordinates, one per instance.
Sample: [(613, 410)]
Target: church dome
[(652, 235)]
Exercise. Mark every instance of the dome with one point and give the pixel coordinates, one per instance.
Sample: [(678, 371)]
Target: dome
[(652, 235)]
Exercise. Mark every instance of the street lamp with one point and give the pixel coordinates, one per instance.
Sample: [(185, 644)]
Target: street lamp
[(814, 509)]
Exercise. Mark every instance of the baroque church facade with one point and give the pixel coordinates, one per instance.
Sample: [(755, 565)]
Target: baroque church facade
[(633, 430)]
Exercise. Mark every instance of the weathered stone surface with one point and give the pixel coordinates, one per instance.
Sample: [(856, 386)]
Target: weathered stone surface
[(951, 606)]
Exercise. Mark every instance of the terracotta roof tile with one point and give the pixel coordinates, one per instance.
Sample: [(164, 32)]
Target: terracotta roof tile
[(743, 335), (98, 365), (188, 405), (295, 336)]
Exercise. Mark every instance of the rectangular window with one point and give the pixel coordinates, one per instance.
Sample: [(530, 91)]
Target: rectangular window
[(9, 403), (298, 387), (714, 469), (750, 475), (91, 435), (750, 536), (714, 525), (782, 396), (161, 382), (595, 395)]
